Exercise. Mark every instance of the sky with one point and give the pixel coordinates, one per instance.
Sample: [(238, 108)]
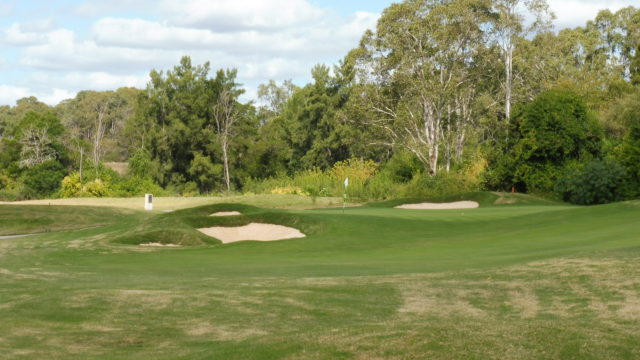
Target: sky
[(52, 49)]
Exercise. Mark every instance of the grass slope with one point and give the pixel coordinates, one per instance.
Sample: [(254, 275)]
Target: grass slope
[(528, 280), (31, 219)]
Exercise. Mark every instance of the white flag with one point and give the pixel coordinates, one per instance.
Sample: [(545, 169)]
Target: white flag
[(346, 182)]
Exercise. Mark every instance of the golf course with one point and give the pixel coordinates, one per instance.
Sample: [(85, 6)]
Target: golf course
[(519, 277)]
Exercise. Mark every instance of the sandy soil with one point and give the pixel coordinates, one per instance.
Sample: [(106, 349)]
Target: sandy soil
[(159, 244), (253, 231), (441, 206), (226, 213)]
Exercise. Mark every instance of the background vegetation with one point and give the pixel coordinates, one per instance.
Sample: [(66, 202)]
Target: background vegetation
[(442, 97)]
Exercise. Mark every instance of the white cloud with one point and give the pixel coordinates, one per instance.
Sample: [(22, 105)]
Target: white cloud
[(16, 35), (63, 51), (303, 41), (241, 14), (9, 94), (275, 39), (55, 96), (76, 81), (574, 13), (95, 8)]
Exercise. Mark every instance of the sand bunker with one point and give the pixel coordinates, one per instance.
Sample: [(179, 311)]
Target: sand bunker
[(226, 213), (159, 244), (441, 206), (253, 231)]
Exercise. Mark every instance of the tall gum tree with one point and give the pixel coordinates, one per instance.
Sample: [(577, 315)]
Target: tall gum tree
[(508, 26), (226, 113), (419, 65)]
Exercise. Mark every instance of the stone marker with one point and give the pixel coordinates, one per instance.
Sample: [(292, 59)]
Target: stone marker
[(148, 202)]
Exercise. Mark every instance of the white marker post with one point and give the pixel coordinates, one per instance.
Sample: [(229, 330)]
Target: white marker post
[(344, 196), (148, 202)]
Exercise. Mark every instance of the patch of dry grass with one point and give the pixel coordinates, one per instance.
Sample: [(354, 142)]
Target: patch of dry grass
[(162, 204)]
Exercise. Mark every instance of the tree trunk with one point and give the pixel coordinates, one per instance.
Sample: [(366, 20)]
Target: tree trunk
[(508, 62), (225, 159), (81, 161)]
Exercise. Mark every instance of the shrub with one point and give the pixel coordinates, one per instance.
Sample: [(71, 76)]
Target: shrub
[(43, 180), (97, 188), (597, 182), (71, 186), (546, 134)]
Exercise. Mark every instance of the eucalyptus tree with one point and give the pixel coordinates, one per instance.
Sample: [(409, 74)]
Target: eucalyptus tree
[(97, 119), (508, 27), (274, 97), (419, 71), (226, 113), (619, 34)]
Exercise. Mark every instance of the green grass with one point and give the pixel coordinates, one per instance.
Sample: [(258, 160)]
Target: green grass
[(528, 280)]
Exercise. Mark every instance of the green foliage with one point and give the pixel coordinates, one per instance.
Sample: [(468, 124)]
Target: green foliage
[(131, 186), (140, 164), (553, 130), (621, 114), (205, 173), (43, 180), (367, 182), (597, 182), (630, 154), (73, 187), (104, 182)]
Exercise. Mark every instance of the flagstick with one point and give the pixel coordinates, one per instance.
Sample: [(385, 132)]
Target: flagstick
[(344, 195)]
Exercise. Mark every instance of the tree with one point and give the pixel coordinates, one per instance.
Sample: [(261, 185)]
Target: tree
[(96, 122), (596, 182), (421, 63), (171, 120), (508, 27), (184, 116), (43, 179), (39, 136), (274, 97), (309, 125), (548, 134), (630, 151), (226, 115)]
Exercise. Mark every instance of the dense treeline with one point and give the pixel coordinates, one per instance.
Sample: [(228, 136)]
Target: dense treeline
[(443, 96)]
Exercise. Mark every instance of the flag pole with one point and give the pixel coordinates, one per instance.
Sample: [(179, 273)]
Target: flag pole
[(344, 195)]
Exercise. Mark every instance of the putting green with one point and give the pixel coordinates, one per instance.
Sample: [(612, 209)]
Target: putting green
[(527, 280)]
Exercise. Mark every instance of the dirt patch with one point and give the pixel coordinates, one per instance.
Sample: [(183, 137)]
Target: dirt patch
[(226, 213), (253, 231), (524, 300), (120, 167), (419, 299), (440, 206)]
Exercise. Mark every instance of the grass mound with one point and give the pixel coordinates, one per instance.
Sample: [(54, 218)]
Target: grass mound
[(179, 228)]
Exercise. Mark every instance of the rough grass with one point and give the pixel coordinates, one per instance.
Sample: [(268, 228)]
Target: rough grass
[(520, 281), (162, 204), (31, 219)]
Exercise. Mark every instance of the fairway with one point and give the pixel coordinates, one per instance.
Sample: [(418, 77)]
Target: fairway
[(516, 278)]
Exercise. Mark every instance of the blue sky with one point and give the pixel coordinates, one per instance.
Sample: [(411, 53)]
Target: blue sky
[(72, 45)]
